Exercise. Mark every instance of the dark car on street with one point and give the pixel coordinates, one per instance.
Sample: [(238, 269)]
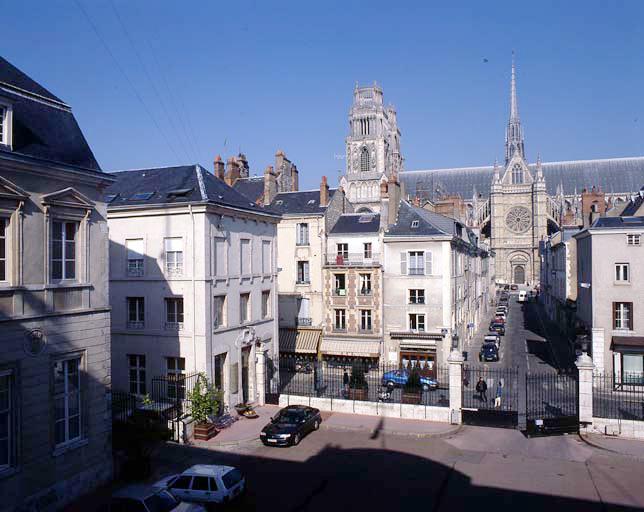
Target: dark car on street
[(489, 352), (498, 328), (290, 425)]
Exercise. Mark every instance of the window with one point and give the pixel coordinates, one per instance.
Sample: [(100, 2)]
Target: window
[(633, 369), (245, 257), (302, 234), (367, 251), (365, 164), (414, 224), (183, 482), (244, 306), (220, 364), (623, 315), (633, 239), (134, 257), (365, 320), (517, 174), (340, 320), (221, 251), (303, 272), (174, 313), (340, 284), (342, 250), (7, 434), (200, 483), (266, 257), (173, 256), (176, 366), (67, 400), (266, 304), (63, 250), (3, 251), (417, 296), (304, 311), (135, 312), (137, 374), (416, 263), (365, 284), (219, 313), (622, 272), (416, 322), (5, 125)]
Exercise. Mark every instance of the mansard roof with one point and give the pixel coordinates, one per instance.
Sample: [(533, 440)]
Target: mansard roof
[(170, 185), (43, 126), (612, 175), (303, 202), (251, 187), (356, 223), (426, 223), (618, 223)]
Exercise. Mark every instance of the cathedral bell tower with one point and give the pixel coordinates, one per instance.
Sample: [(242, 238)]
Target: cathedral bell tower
[(372, 148)]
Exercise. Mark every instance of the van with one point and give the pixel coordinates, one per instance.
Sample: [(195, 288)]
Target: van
[(523, 295)]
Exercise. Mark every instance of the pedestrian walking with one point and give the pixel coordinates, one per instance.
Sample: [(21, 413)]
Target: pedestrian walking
[(497, 397), (481, 388), (345, 381)]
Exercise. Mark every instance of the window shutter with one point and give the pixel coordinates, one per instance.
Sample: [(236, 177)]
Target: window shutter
[(614, 315), (631, 316), (403, 263), (428, 263), (306, 272)]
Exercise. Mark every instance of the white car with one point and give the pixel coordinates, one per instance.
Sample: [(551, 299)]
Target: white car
[(145, 498), (501, 314), (205, 484), (523, 296), (492, 338)]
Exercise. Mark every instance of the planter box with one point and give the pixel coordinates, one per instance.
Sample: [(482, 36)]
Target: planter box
[(205, 431), (358, 394), (411, 397)]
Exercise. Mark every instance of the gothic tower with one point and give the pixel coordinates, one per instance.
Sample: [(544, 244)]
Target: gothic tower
[(518, 206), (372, 148)]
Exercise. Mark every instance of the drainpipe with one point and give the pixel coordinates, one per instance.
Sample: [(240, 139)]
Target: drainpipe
[(194, 293)]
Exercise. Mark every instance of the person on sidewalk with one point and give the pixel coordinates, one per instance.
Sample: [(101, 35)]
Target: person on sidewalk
[(497, 398), (345, 382), (481, 389)]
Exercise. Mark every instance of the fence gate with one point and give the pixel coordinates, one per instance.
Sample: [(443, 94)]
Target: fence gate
[(498, 405), (552, 403)]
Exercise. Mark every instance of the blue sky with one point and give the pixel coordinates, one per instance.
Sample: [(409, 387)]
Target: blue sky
[(184, 81)]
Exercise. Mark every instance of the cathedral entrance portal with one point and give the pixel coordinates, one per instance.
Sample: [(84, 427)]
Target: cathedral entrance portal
[(518, 274)]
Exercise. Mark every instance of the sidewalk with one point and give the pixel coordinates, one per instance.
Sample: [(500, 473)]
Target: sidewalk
[(628, 447), (243, 429)]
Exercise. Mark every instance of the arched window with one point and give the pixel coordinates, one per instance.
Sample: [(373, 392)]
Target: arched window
[(365, 165), (517, 174)]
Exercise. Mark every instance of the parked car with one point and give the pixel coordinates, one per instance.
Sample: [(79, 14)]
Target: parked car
[(523, 296), (205, 483), (489, 352), (398, 378), (514, 287), (498, 327), (506, 286), (290, 425), (500, 314), (147, 498), (492, 338), (502, 307)]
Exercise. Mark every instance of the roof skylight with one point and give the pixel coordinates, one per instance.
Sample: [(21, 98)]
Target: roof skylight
[(142, 196), (365, 218), (179, 192), (414, 223), (110, 197)]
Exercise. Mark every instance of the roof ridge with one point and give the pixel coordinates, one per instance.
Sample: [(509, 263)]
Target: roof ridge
[(155, 168)]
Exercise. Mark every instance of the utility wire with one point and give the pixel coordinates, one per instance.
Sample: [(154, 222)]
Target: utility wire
[(147, 74), (127, 78)]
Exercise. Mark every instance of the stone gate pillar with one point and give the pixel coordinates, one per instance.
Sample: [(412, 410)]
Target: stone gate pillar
[(455, 362), (260, 374), (585, 366)]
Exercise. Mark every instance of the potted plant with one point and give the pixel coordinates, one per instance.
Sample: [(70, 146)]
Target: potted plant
[(412, 390), (204, 400), (358, 387)]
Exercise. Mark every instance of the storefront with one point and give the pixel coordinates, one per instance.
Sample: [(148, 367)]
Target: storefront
[(418, 350), (299, 347), (628, 360), (338, 352)]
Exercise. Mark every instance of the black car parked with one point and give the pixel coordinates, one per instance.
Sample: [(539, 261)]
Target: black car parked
[(498, 328), (290, 425), (489, 352)]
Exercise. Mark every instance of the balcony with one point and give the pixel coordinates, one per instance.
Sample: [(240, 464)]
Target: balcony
[(352, 260), (303, 321), (135, 325), (416, 271)]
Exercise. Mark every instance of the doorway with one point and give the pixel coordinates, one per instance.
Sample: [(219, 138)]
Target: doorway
[(519, 274), (245, 363)]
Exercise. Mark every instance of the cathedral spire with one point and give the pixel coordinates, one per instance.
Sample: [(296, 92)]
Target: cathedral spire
[(513, 132)]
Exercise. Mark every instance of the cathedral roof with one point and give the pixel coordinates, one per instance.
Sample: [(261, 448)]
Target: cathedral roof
[(612, 175)]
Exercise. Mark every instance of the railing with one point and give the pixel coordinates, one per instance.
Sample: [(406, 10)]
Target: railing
[(303, 321), (378, 383), (416, 271), (619, 398), (136, 325), (352, 259)]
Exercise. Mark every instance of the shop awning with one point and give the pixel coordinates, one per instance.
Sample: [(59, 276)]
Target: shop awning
[(627, 343), (351, 348), (300, 341), (409, 335)]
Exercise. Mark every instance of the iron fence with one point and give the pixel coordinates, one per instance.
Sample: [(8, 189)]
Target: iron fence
[(501, 388), (618, 399), (384, 383)]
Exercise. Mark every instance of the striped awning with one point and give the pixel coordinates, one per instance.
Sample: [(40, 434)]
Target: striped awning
[(350, 348), (300, 340)]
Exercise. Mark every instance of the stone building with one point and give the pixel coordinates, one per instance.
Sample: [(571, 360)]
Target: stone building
[(55, 419), (193, 282)]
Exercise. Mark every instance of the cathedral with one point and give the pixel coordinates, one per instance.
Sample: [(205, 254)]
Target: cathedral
[(513, 206)]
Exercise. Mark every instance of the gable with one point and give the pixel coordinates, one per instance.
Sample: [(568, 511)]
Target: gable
[(9, 190), (515, 166), (68, 197)]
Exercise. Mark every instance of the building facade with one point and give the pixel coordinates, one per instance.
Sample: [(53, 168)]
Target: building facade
[(55, 421), (194, 282)]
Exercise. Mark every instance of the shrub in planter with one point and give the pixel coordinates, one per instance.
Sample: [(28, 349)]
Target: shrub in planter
[(412, 390), (204, 400), (358, 387)]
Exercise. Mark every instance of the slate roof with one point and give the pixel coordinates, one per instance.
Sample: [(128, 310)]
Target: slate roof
[(252, 187), (352, 223), (613, 175), (43, 126), (634, 204), (181, 184), (618, 223), (303, 202), (429, 223)]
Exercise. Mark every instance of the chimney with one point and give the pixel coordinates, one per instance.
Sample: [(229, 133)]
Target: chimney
[(593, 205), (324, 192), (219, 168), (394, 200), (416, 201), (232, 171), (244, 169), (295, 180), (270, 185)]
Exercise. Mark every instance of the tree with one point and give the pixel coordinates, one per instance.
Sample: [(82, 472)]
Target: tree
[(357, 379), (413, 384), (204, 400)]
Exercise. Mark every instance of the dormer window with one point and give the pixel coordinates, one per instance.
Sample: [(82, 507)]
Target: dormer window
[(414, 223), (5, 124)]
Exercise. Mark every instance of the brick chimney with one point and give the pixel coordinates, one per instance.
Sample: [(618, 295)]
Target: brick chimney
[(219, 168), (232, 171), (295, 180), (270, 185), (393, 188), (324, 192), (593, 205)]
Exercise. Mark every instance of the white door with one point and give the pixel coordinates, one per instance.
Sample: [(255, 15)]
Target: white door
[(201, 490)]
